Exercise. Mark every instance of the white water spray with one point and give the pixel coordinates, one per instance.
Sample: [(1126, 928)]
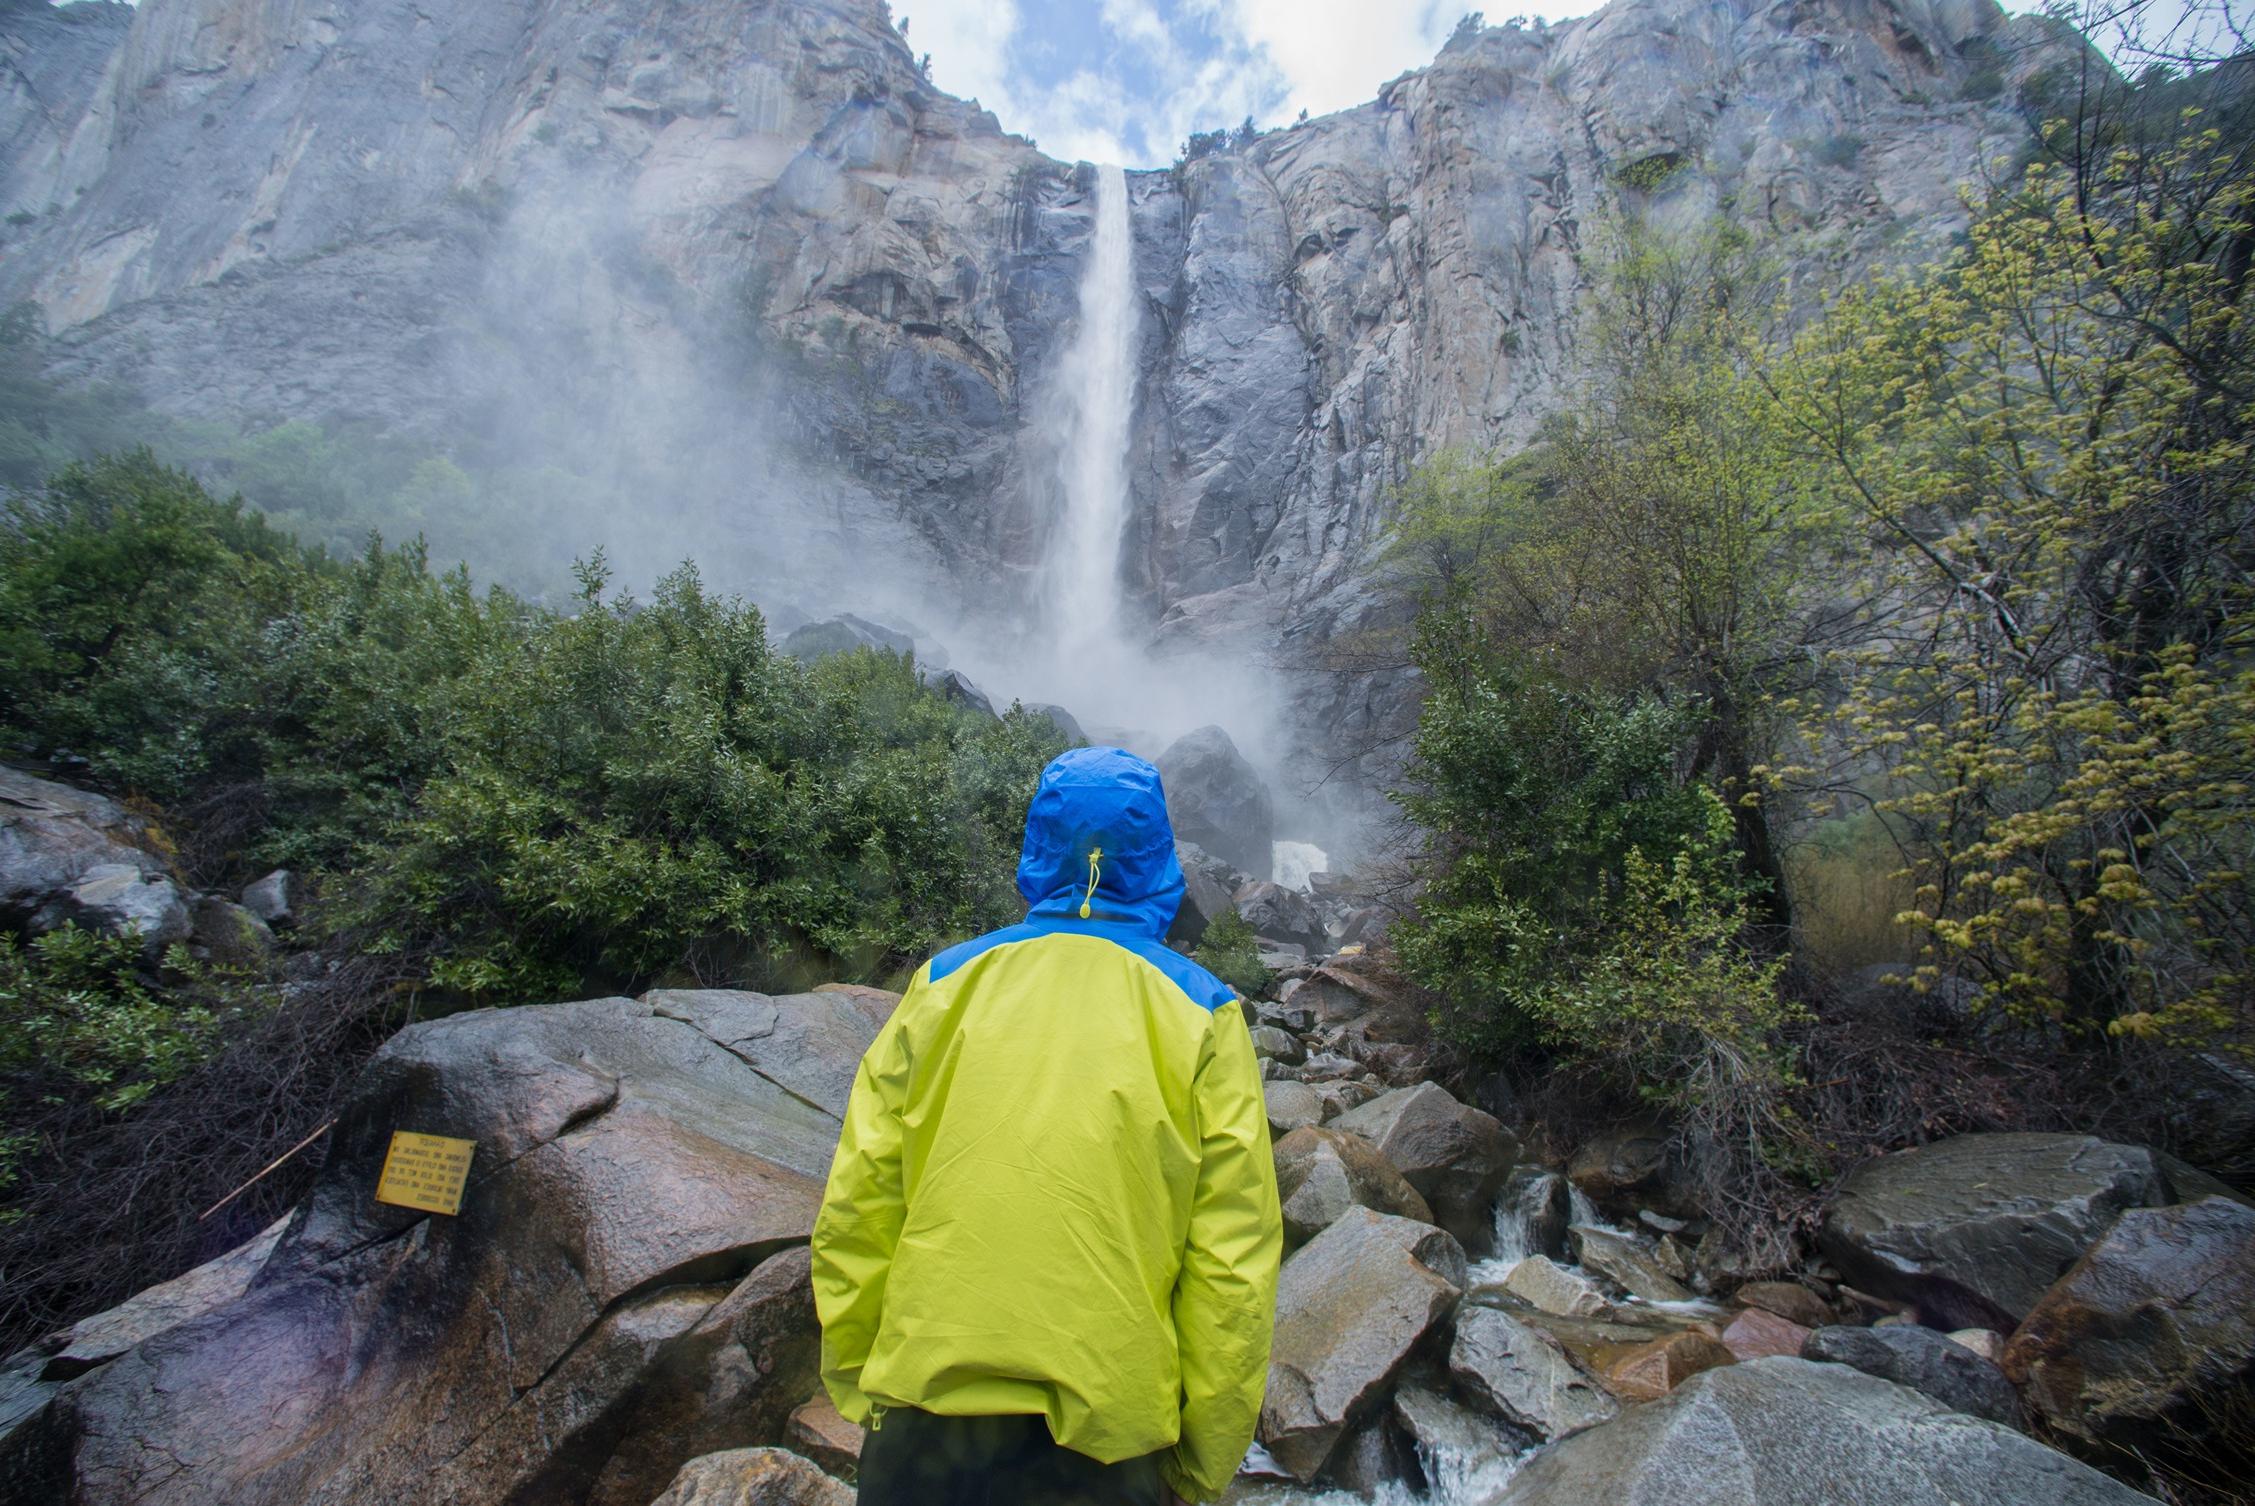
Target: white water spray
[(1098, 381)]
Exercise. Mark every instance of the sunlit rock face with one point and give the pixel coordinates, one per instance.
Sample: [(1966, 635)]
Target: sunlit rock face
[(744, 258)]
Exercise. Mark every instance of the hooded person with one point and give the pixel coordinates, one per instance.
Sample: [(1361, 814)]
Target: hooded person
[(1046, 1259)]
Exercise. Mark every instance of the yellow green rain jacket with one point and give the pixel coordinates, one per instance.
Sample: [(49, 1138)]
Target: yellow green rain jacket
[(1053, 1194)]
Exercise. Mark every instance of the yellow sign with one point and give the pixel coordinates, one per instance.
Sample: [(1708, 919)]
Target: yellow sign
[(425, 1171)]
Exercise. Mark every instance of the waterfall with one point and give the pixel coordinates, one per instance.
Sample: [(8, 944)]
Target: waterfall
[(1097, 379)]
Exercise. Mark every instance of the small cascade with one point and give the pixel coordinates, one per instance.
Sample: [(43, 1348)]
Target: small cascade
[(1292, 863), (1513, 1244), (1580, 1210)]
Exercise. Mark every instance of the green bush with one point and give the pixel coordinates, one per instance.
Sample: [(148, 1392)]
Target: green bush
[(1232, 952)]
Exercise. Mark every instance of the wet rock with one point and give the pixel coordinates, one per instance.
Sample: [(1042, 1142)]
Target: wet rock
[(1789, 1300), (1555, 1288), (1755, 1334), (1926, 1361), (1372, 1458), (1536, 1202), (753, 1477), (273, 898), (1523, 1375), (818, 1432), (624, 1288), (1280, 1045), (1351, 1306), (1785, 1432), (1653, 1370), (1280, 915), (2150, 1339), (1974, 1229), (1347, 1093), (957, 691), (1216, 800), (1454, 1155), (1457, 1440), (843, 634), (1292, 1105), (1063, 720), (1208, 885), (1622, 1262), (106, 1335), (1321, 1173)]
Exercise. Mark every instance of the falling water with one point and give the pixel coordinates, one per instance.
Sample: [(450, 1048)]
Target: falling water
[(1097, 376)]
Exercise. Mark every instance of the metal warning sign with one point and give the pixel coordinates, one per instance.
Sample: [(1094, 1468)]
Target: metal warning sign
[(425, 1171)]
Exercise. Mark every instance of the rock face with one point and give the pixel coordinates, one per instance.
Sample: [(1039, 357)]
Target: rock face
[(1217, 801), (1455, 1156), (753, 1477), (2152, 1333), (1785, 1432), (1351, 1306), (1974, 1229), (1524, 1376), (759, 229), (1321, 1173), (69, 857), (1927, 1362), (624, 1288)]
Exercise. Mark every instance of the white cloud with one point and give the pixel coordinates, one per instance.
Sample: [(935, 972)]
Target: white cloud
[(1333, 54)]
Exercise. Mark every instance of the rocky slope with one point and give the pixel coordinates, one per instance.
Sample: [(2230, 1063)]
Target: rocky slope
[(744, 266)]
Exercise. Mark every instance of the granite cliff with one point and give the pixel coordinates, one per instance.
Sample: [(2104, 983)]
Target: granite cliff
[(744, 262)]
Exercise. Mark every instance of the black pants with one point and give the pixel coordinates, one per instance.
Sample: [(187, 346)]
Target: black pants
[(917, 1459)]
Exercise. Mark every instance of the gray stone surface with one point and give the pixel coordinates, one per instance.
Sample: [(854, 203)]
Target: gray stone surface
[(754, 1477), (1351, 1306), (273, 898), (1453, 1154), (1291, 1105), (1281, 915), (71, 857), (1521, 1374), (1554, 1288), (1208, 884), (1926, 1361), (843, 634), (1625, 1263), (1217, 800), (1456, 1439), (1974, 1229), (1537, 1204), (1321, 1173), (1281, 1045), (1786, 1432)]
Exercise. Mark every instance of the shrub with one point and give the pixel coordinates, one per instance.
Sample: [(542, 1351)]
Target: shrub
[(1231, 952)]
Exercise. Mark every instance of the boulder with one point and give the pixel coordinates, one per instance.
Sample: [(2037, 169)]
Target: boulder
[(954, 689), (1785, 1432), (1623, 1262), (820, 1433), (1927, 1362), (1755, 1334), (1280, 915), (121, 899), (1622, 1166), (158, 1309), (1554, 1288), (1293, 1105), (1321, 1173), (1351, 1306), (1973, 1230), (1522, 1374), (623, 1289), (1207, 887), (1652, 1370), (227, 934), (753, 1477), (1789, 1300), (1985, 1342), (1533, 1206), (1450, 1439), (1216, 800), (273, 898), (2150, 1338), (1453, 1154), (843, 634), (1063, 720), (1278, 1045)]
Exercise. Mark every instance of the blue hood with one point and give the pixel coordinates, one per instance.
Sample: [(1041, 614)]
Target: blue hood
[(1093, 799)]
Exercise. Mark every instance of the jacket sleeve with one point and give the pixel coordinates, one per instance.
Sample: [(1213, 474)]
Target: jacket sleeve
[(859, 1225), (1225, 1296)]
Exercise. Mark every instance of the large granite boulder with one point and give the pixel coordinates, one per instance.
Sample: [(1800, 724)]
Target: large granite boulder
[(1352, 1305), (1522, 1374), (753, 1477), (843, 634), (1974, 1229), (2150, 1338), (623, 1289), (1280, 914), (1209, 887), (1216, 800), (1786, 1432), (69, 857), (1321, 1173), (1453, 1154), (1928, 1362), (1628, 1165)]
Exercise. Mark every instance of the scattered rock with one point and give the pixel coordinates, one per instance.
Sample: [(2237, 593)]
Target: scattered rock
[(1620, 1261), (1280, 1045), (1351, 1305), (1789, 1300), (1974, 1229), (2150, 1338), (1925, 1361), (1555, 1288), (817, 1431), (1755, 1334), (1456, 1439), (1216, 800), (1280, 915), (1785, 1432), (1321, 1173), (273, 898), (1372, 1458), (1536, 1202), (1293, 1105), (753, 1477), (1523, 1375), (1653, 1370), (1454, 1155)]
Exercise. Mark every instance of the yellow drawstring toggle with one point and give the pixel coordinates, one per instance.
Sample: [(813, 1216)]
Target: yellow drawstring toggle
[(1095, 854)]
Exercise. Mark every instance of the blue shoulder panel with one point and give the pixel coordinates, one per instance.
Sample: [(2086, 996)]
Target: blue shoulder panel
[(1199, 986)]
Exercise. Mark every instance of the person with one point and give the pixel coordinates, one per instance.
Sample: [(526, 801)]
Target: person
[(1045, 1262)]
